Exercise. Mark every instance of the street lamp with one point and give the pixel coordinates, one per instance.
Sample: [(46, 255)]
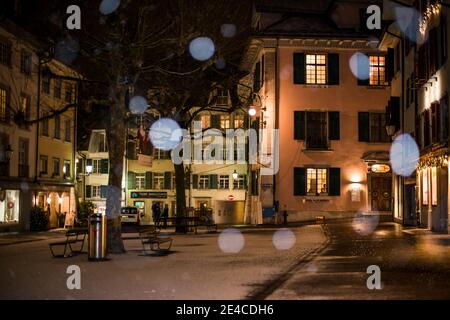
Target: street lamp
[(252, 111), (235, 175), (88, 169)]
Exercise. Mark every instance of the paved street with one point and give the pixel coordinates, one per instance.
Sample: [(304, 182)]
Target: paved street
[(196, 269), (414, 264)]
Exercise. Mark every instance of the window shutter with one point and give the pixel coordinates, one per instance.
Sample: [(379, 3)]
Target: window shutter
[(335, 182), (257, 77), (215, 121), (195, 181), (213, 181), (167, 180), (333, 125), (390, 64), (103, 192), (131, 178), (149, 180), (363, 70), (245, 181), (363, 126), (299, 125), (104, 166), (333, 68), (299, 181), (88, 191), (299, 68)]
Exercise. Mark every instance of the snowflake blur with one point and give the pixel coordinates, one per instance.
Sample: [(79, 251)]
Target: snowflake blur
[(109, 6), (283, 239), (231, 240), (165, 134), (67, 50), (404, 155), (228, 30), (138, 105), (201, 48), (359, 66), (365, 224)]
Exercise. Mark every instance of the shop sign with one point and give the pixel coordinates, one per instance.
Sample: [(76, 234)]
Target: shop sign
[(149, 194), (380, 168)]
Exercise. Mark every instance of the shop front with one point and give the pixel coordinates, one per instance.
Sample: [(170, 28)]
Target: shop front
[(144, 201), (16, 202)]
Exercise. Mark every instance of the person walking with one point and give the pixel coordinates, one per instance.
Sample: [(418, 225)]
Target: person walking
[(165, 215), (156, 212)]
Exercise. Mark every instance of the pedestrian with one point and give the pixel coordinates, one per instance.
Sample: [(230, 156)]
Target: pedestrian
[(156, 212), (165, 215)]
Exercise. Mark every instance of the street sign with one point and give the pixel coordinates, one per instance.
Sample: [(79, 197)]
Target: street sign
[(230, 197), (149, 194)]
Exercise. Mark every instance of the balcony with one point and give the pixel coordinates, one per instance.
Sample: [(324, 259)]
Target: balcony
[(4, 169), (23, 171)]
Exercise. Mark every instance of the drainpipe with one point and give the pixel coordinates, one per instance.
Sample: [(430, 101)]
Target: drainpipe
[(277, 116), (38, 102)]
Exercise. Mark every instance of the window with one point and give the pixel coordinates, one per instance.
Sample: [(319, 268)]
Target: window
[(377, 129), (96, 192), (316, 69), (43, 164), (434, 187), (96, 166), (9, 210), (377, 70), (23, 157), (224, 121), (239, 121), (57, 89), (203, 182), (161, 154), (316, 130), (25, 62), (158, 181), (55, 167), (205, 120), (140, 181), (316, 182), (44, 130), (25, 106), (69, 92), (222, 97), (224, 182), (66, 168), (425, 186), (5, 53), (57, 134), (239, 183), (46, 84), (67, 135), (3, 104)]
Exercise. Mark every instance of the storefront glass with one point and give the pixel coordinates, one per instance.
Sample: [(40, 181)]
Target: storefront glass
[(9, 206)]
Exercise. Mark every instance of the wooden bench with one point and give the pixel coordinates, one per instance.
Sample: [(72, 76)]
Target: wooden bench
[(150, 237), (73, 236)]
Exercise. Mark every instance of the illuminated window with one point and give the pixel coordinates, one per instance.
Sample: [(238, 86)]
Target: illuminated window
[(224, 121), (239, 183), (316, 69), (434, 189), (239, 121), (96, 192), (316, 181), (3, 104), (425, 187), (224, 182), (158, 181), (140, 181), (205, 120), (377, 71)]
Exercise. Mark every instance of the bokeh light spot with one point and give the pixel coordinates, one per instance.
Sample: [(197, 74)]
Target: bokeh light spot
[(283, 239), (231, 240), (165, 134), (404, 155), (201, 48)]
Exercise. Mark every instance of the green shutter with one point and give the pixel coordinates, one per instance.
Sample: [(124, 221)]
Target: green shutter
[(168, 180), (333, 68), (131, 180), (363, 126), (104, 192), (149, 180), (333, 125), (363, 70), (335, 182), (215, 121), (245, 182), (299, 181), (299, 125), (390, 64), (299, 68), (213, 181), (104, 166), (195, 181), (88, 191)]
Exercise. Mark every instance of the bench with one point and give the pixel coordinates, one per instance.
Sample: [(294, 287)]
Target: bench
[(73, 236), (150, 237)]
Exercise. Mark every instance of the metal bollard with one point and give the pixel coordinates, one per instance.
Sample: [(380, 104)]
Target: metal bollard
[(97, 237)]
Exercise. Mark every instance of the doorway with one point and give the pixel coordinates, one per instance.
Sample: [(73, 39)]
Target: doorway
[(410, 217), (380, 193)]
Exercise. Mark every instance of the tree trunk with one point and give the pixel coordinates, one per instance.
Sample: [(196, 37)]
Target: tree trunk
[(116, 147), (181, 225)]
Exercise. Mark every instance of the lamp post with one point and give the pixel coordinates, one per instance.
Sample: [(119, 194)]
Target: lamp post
[(234, 175)]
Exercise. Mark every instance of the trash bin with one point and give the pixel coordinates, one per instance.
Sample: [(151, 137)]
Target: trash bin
[(97, 237)]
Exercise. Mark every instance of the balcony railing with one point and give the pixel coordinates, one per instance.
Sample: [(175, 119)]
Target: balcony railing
[(23, 171)]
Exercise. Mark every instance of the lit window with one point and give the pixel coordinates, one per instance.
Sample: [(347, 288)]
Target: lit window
[(96, 166), (3, 104), (140, 181), (316, 181), (224, 121), (158, 181), (316, 69), (239, 182), (377, 70), (434, 189), (203, 182), (96, 192), (205, 120), (239, 121), (224, 182), (425, 187)]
